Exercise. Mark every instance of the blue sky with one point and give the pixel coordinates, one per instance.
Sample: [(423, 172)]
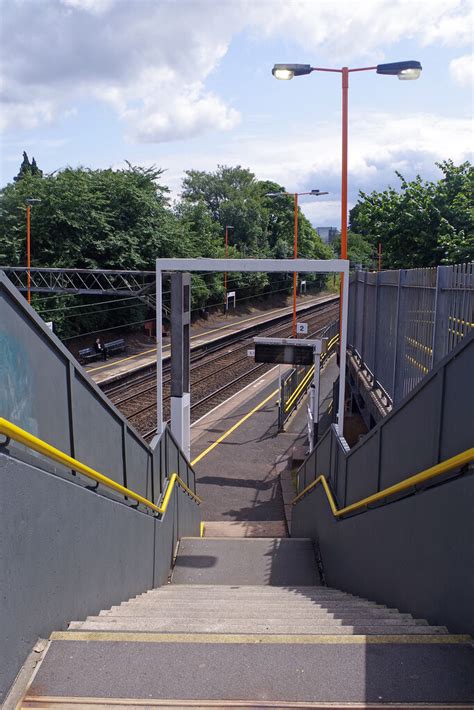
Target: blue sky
[(187, 85)]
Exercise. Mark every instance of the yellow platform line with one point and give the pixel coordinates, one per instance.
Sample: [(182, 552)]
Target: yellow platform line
[(145, 637), (233, 428), (202, 335)]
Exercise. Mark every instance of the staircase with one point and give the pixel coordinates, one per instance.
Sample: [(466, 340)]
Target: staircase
[(247, 623)]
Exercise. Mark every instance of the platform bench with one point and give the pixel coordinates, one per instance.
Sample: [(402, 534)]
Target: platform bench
[(115, 346), (88, 354)]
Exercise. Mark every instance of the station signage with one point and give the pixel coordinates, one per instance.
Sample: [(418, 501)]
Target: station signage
[(284, 351)]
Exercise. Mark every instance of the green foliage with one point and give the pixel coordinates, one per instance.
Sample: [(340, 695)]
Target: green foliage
[(27, 168), (121, 219), (425, 223), (359, 250)]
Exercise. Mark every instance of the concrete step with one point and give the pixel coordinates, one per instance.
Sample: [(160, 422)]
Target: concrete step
[(248, 561), (349, 620), (246, 528), (253, 613), (270, 626), (137, 672), (205, 591), (221, 605)]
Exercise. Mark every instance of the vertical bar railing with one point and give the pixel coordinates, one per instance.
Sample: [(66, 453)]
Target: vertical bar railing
[(401, 336)]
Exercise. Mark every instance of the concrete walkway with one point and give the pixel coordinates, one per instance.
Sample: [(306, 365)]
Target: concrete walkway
[(239, 479)]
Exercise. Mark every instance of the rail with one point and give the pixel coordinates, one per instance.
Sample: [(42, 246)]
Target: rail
[(458, 461), (11, 431)]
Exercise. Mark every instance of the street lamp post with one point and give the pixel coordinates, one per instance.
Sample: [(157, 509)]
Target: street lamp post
[(315, 193), (227, 227), (29, 201), (404, 70)]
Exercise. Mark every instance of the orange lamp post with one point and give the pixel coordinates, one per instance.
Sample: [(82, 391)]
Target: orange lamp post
[(315, 193), (404, 70)]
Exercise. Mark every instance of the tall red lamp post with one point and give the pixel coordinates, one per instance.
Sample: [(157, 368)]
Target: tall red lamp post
[(295, 195), (407, 70)]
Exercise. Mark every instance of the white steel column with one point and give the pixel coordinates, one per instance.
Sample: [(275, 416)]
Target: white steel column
[(343, 351), (159, 354)]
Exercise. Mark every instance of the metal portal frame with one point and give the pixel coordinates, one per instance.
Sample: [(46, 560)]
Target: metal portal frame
[(329, 266)]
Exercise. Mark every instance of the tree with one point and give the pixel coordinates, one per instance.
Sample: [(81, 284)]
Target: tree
[(359, 250), (27, 168), (425, 223)]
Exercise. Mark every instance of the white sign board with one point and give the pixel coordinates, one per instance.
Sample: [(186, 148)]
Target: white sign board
[(251, 352), (302, 328), (230, 295)]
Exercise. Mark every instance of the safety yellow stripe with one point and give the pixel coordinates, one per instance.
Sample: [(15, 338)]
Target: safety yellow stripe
[(417, 364), (215, 330), (233, 428), (150, 637), (300, 387), (460, 320), (451, 464), (420, 346), (292, 398), (32, 442)]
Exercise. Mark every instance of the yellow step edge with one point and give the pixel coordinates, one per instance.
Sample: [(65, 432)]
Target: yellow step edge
[(150, 637), (87, 703)]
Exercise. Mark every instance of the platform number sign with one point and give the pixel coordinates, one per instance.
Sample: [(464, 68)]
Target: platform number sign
[(302, 328)]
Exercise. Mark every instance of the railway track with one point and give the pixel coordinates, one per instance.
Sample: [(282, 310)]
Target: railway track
[(215, 375)]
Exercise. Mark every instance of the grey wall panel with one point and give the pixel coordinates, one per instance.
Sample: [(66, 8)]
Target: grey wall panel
[(189, 515), (173, 457), (458, 404), (410, 438), (65, 553), (340, 486), (414, 555), (139, 465), (362, 469), (165, 542), (31, 377), (323, 455), (97, 432)]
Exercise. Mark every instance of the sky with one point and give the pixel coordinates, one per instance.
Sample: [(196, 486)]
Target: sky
[(187, 84)]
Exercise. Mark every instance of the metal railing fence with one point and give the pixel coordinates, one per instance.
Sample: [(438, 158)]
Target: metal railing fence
[(401, 323)]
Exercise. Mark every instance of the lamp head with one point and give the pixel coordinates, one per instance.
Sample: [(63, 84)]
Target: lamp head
[(288, 71), (404, 70), (32, 200)]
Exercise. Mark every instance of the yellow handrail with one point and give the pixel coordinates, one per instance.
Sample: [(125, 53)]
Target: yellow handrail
[(458, 461), (32, 442)]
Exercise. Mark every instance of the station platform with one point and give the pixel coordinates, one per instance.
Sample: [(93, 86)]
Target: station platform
[(243, 464), (201, 334)]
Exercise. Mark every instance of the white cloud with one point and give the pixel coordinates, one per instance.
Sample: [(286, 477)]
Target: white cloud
[(462, 70), (378, 146), (345, 29), (150, 59)]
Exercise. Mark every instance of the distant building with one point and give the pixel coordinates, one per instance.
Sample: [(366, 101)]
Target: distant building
[(327, 234)]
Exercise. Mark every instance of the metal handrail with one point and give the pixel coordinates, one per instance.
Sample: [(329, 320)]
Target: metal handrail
[(458, 461), (11, 431)]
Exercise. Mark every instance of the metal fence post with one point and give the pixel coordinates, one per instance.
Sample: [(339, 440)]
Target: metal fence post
[(377, 312), (441, 324), (398, 378), (364, 301)]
